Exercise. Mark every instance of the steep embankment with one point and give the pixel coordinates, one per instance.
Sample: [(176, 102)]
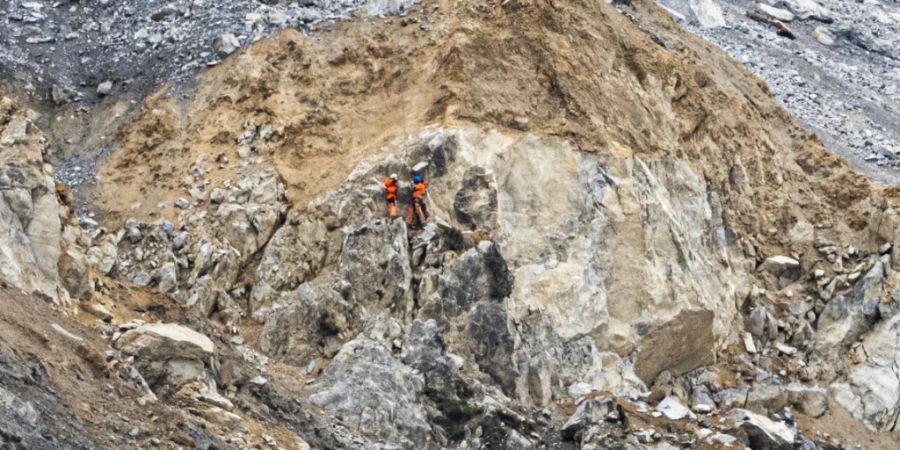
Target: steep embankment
[(834, 48), (624, 223)]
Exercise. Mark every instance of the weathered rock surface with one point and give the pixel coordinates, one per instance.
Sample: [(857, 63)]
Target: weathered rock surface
[(169, 355), (32, 414), (872, 391), (758, 431), (30, 228), (370, 391)]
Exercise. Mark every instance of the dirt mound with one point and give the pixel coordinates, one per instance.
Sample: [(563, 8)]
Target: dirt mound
[(577, 70)]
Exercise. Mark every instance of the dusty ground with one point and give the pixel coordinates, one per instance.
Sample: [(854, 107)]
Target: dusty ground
[(83, 390)]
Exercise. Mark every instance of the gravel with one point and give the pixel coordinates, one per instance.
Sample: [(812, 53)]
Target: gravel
[(67, 50), (847, 92)]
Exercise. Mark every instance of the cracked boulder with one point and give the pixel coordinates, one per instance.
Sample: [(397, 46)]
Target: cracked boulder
[(312, 320), (872, 389), (372, 393), (168, 355)]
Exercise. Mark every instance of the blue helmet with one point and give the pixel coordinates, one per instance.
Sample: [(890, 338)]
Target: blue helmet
[(417, 179)]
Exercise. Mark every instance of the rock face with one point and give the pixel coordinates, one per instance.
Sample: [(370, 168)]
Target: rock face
[(872, 391), (30, 228), (473, 289), (374, 394)]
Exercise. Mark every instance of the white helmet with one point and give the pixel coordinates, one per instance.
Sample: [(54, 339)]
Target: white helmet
[(393, 176)]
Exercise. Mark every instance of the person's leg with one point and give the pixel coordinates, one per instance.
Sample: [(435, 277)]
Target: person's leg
[(392, 209), (420, 206)]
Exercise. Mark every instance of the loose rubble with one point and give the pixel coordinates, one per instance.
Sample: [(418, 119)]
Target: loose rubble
[(568, 291), (840, 47)]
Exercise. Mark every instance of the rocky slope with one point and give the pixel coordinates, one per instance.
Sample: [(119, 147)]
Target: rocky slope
[(632, 246), (838, 72)]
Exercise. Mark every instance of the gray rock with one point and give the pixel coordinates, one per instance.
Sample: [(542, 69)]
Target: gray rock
[(823, 36), (370, 391), (776, 13), (787, 269), (227, 44), (66, 333), (812, 401), (588, 412), (844, 320), (762, 432), (701, 400), (33, 414), (707, 13), (805, 9), (104, 88), (766, 397), (15, 132), (761, 324), (733, 397), (216, 196), (672, 409), (315, 314), (425, 351), (167, 277), (164, 341), (167, 355), (872, 389)]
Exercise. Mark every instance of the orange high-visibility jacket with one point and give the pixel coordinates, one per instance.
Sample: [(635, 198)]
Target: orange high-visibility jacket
[(419, 190), (390, 190)]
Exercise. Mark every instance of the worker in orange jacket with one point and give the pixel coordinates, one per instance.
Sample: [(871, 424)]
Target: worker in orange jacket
[(417, 212), (390, 195)]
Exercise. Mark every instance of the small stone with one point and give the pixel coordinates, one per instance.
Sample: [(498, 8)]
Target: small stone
[(97, 310), (777, 13), (786, 349), (749, 345), (227, 44), (672, 408), (104, 88), (182, 203), (66, 333), (216, 196)]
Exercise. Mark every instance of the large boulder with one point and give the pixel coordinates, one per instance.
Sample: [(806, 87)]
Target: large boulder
[(309, 321), (707, 13), (165, 340), (375, 395), (759, 432), (666, 348), (167, 355), (872, 389), (846, 319)]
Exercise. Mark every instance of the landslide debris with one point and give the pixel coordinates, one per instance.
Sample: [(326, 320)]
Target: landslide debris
[(631, 246)]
